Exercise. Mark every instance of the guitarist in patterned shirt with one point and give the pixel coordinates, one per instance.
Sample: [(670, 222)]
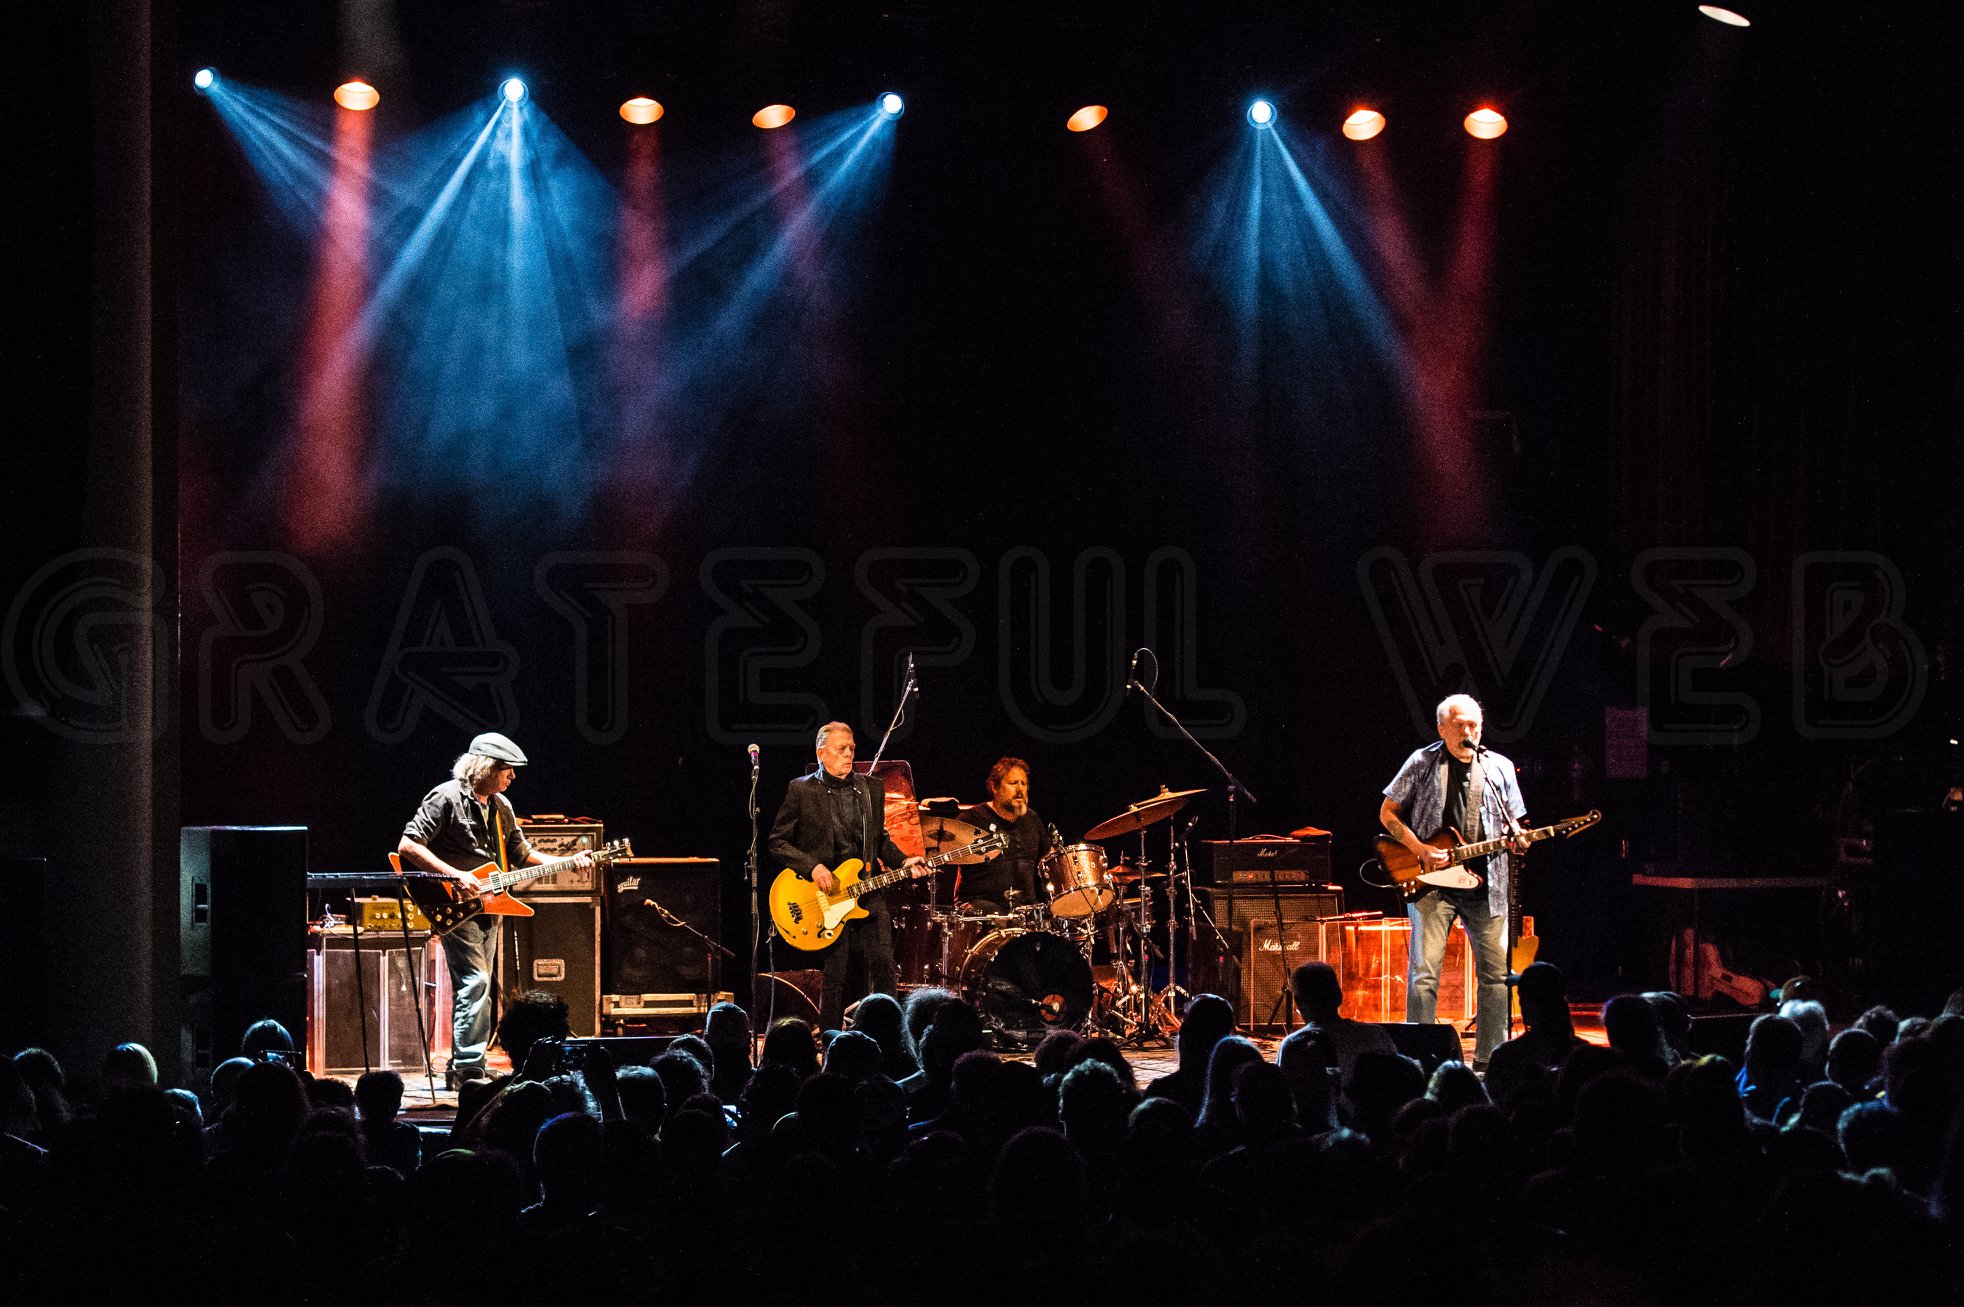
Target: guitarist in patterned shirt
[(1456, 783)]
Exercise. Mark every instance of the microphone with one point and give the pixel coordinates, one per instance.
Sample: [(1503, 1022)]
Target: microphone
[(754, 752), (1132, 672)]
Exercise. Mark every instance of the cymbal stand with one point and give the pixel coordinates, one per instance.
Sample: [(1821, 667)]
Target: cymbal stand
[(1145, 1011), (1197, 911), (1170, 1002)]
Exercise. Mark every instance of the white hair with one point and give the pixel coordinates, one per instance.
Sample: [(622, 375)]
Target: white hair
[(473, 769), (827, 729), (1452, 701)]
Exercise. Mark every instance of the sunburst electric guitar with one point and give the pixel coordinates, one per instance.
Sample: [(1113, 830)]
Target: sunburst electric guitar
[(448, 904), (1413, 878), (810, 919)]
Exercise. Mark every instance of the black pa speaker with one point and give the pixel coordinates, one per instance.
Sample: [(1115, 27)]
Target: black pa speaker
[(1430, 1045), (647, 951), (242, 936)]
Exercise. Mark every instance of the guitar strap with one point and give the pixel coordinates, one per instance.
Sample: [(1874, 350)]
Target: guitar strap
[(498, 832)]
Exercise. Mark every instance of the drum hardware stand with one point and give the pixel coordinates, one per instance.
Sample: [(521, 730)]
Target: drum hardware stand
[(1235, 790)]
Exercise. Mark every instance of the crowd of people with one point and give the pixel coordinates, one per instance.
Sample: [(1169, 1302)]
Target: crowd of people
[(899, 1161)]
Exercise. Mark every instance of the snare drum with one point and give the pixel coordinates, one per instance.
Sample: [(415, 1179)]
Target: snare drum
[(1080, 883)]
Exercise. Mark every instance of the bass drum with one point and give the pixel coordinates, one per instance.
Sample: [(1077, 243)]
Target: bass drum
[(1027, 983)]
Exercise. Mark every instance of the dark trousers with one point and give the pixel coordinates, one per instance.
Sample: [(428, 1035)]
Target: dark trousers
[(861, 960)]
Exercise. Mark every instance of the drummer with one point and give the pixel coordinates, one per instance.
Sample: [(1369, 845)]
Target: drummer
[(1008, 880)]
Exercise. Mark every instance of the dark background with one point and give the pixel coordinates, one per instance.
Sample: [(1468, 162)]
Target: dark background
[(1723, 312)]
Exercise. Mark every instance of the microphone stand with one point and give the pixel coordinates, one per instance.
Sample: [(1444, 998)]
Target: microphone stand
[(756, 917), (1235, 789), (912, 686), (710, 948)]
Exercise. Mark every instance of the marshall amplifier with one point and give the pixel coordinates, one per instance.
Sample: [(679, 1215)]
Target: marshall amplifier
[(555, 835), (1257, 862)]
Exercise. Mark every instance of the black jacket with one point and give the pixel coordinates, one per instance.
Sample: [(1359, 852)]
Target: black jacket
[(801, 837)]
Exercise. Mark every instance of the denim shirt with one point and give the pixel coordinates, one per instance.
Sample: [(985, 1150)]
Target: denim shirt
[(1419, 790), (449, 825)]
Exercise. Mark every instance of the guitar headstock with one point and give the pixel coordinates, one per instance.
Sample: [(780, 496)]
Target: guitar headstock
[(613, 849), (1586, 820)]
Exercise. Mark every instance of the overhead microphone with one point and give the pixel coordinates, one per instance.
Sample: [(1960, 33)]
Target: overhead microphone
[(1132, 673)]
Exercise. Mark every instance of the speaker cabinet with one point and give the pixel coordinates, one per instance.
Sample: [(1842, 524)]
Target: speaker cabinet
[(379, 1002), (647, 952), (1429, 1045), (242, 936), (1251, 904), (557, 950), (1256, 972), (1273, 952)]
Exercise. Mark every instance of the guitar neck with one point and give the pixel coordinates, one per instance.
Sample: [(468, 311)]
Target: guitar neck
[(500, 881), (867, 884), (1468, 852)]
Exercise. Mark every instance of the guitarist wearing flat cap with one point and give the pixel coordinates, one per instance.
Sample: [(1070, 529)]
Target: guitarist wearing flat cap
[(463, 823)]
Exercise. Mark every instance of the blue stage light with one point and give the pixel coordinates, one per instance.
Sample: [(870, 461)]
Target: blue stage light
[(1261, 113), (204, 78), (514, 90), (892, 105)]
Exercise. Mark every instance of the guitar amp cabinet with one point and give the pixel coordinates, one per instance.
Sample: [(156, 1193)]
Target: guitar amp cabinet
[(557, 836), (382, 1005), (557, 950), (1254, 863)]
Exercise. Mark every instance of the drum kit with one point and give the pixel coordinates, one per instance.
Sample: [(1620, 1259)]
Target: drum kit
[(1082, 958)]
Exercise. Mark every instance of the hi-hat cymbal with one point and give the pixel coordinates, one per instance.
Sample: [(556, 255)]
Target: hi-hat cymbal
[(940, 834), (1159, 807)]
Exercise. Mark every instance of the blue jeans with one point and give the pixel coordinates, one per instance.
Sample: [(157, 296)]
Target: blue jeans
[(471, 953), (1432, 915)]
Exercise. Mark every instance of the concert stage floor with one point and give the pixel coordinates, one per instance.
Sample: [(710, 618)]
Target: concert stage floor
[(431, 1110)]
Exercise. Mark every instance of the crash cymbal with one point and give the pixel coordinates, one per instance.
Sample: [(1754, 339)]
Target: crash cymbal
[(1159, 807), (1127, 874), (939, 834)]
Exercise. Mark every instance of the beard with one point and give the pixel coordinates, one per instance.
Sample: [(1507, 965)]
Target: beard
[(1016, 808)]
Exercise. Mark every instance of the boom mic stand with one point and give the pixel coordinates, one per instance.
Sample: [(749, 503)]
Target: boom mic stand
[(911, 686), (1235, 789), (710, 948), (756, 917)]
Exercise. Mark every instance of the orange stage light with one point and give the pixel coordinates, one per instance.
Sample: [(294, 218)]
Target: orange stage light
[(641, 110), (773, 115), (1087, 118), (358, 96), (1363, 125), (1485, 124)]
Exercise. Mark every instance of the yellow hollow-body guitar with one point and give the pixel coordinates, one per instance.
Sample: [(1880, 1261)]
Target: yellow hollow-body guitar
[(808, 919)]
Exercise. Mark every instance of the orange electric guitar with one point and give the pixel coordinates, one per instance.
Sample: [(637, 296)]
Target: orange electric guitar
[(448, 904)]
